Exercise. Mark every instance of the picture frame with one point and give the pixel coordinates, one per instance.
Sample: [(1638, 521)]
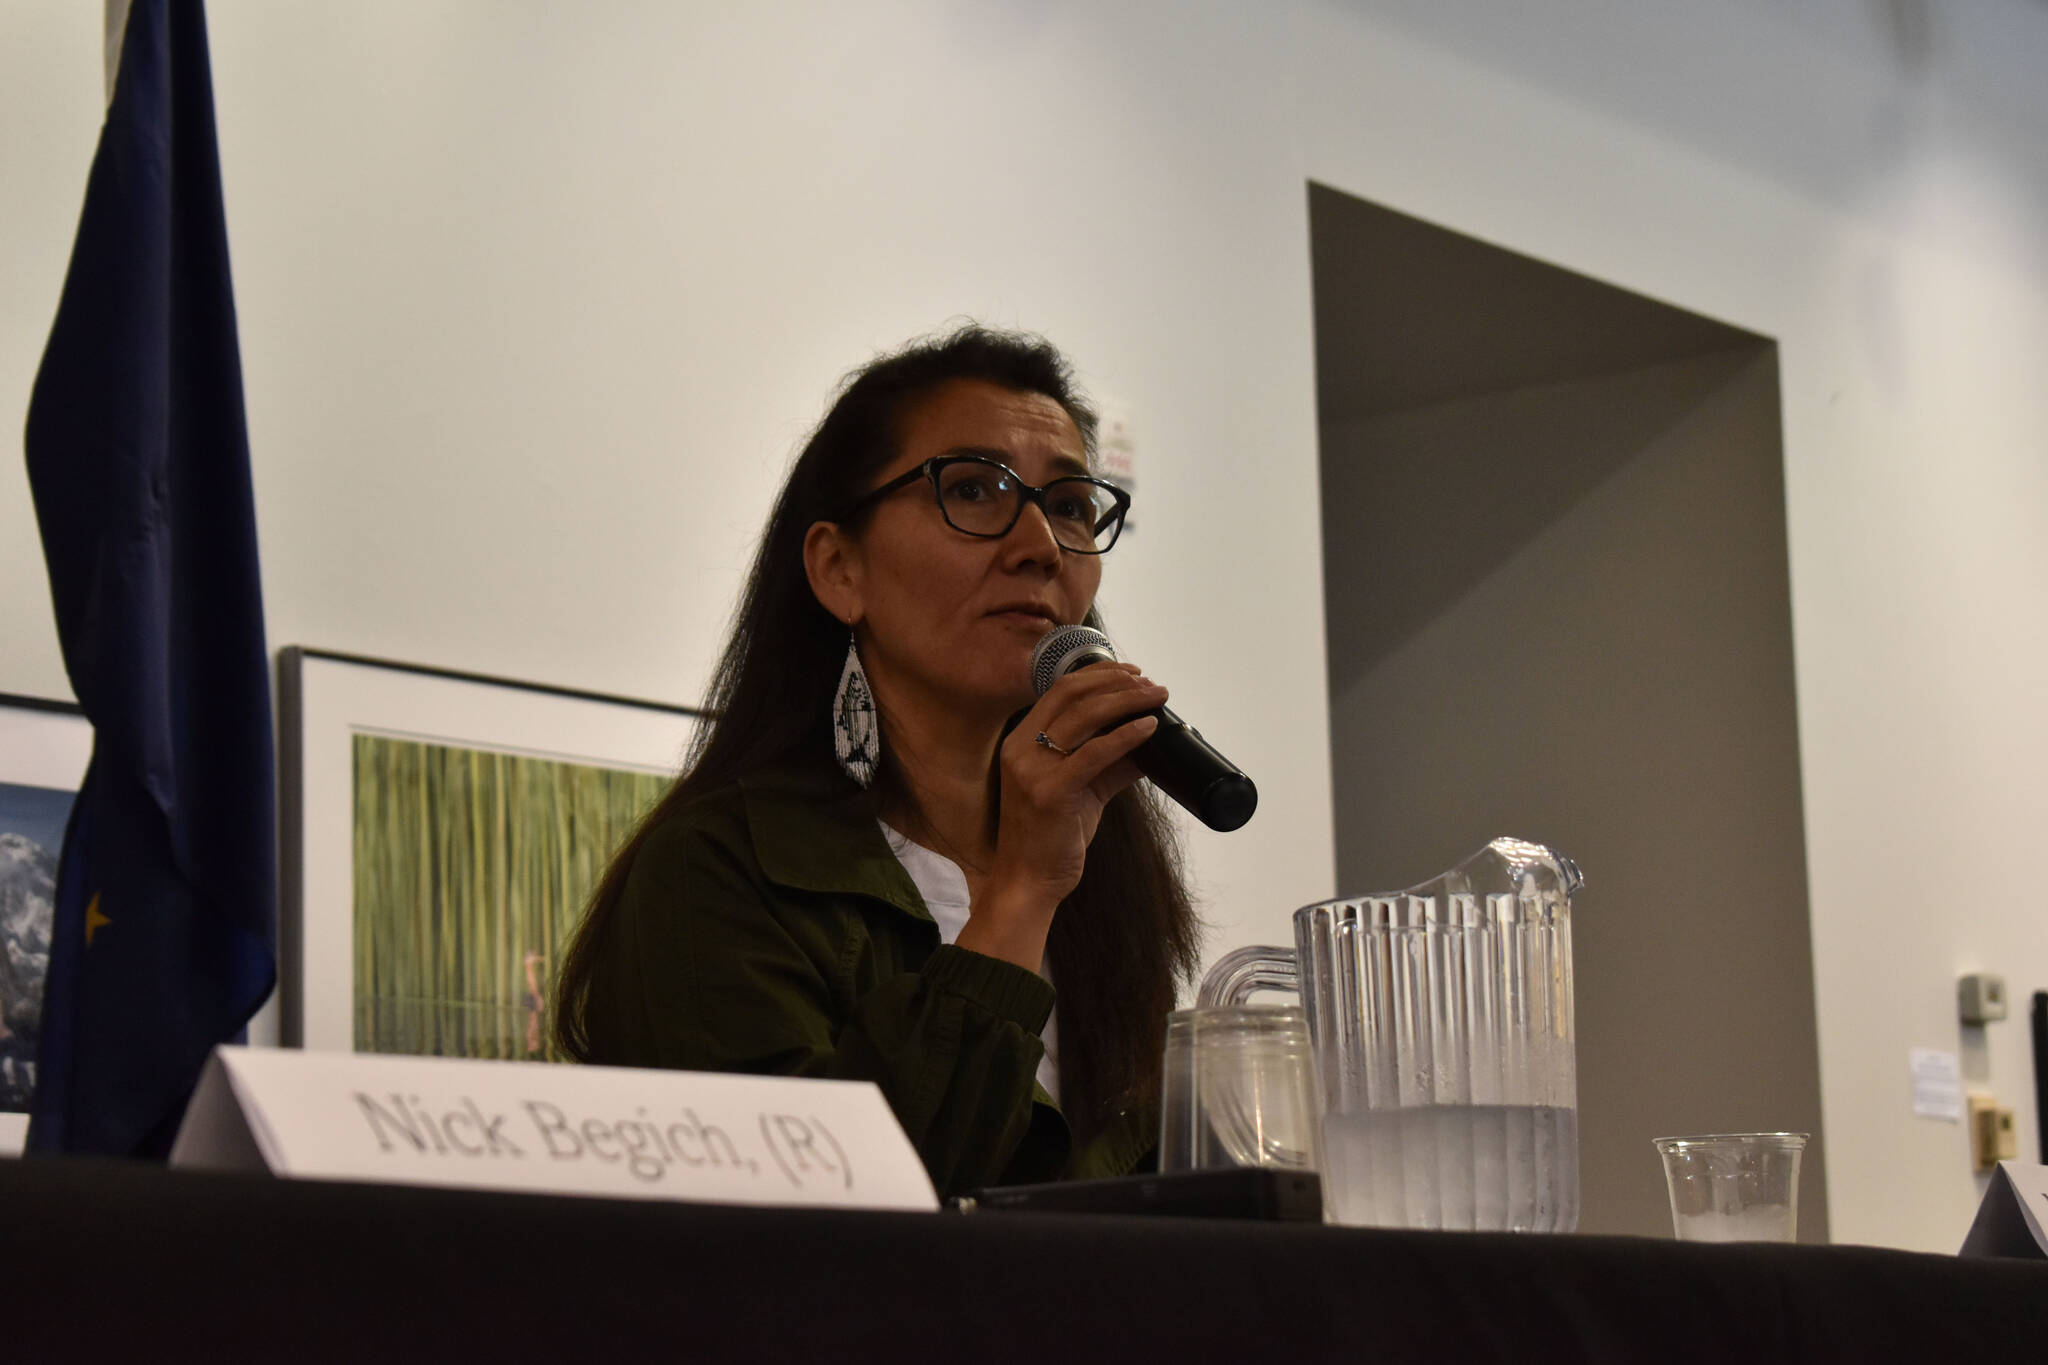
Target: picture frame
[(439, 831), (45, 746)]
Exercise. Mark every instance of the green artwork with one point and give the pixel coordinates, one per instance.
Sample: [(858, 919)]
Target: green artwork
[(471, 871)]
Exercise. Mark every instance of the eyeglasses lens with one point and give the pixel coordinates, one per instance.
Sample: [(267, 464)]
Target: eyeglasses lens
[(985, 500)]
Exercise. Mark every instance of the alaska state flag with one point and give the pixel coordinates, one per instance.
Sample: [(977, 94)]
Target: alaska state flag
[(138, 460)]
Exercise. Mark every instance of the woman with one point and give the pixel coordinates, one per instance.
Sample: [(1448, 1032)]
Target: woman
[(884, 850)]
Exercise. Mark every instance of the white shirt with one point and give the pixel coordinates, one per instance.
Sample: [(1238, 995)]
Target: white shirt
[(943, 886)]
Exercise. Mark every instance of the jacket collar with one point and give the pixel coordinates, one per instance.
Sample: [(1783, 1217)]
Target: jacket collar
[(814, 830)]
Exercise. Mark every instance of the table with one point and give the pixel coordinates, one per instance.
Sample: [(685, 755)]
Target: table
[(105, 1259)]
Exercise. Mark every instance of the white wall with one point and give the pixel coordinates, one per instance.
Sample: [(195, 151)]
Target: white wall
[(537, 299)]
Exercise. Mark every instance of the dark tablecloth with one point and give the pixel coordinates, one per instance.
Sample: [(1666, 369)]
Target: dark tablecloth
[(104, 1260)]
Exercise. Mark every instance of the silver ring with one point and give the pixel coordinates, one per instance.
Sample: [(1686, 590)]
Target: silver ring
[(1045, 742)]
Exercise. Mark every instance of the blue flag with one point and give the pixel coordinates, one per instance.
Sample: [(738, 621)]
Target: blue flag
[(138, 460)]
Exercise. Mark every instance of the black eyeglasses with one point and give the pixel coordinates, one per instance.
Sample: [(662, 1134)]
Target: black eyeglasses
[(980, 497)]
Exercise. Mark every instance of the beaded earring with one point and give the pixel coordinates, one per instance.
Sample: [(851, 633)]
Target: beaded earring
[(856, 728)]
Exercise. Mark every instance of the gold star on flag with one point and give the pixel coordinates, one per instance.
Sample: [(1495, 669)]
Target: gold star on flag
[(93, 920)]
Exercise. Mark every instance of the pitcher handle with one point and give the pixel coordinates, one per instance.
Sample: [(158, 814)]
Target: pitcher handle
[(1260, 968)]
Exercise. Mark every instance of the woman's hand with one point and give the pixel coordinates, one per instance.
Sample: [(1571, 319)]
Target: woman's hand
[(1052, 802)]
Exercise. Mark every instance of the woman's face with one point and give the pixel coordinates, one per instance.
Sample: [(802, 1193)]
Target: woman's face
[(948, 619)]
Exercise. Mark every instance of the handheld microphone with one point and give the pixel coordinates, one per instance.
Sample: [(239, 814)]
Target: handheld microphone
[(1177, 759)]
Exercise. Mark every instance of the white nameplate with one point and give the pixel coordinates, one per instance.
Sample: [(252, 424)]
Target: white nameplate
[(532, 1126), (2013, 1219)]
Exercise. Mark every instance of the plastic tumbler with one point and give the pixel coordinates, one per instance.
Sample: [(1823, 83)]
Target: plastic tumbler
[(1733, 1187), (1238, 1089)]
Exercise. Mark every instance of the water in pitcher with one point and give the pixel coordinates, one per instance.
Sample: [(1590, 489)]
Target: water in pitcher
[(1513, 1167)]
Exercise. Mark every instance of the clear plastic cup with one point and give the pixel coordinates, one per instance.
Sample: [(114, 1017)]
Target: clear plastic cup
[(1238, 1089), (1733, 1187)]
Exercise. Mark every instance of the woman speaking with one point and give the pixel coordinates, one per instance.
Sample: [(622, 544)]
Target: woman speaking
[(885, 853)]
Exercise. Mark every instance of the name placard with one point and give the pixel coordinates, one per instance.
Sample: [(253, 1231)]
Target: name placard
[(623, 1133), (2013, 1219)]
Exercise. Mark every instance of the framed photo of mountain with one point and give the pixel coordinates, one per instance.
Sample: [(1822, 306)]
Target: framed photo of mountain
[(44, 747), (441, 832)]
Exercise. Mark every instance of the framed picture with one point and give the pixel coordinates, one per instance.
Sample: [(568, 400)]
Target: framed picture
[(440, 834), (44, 748)]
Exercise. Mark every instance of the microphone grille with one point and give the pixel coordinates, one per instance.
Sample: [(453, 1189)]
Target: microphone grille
[(1064, 649)]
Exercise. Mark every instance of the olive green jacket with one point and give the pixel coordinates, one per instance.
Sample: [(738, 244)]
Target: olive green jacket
[(768, 928)]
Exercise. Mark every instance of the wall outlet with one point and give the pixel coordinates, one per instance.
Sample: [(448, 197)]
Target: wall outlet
[(1994, 1132)]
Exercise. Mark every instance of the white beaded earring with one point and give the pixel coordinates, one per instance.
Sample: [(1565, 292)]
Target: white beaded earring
[(856, 729)]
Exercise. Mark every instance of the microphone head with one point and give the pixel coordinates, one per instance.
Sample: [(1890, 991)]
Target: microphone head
[(1064, 649)]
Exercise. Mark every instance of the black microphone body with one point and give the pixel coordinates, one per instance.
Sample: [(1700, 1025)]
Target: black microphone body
[(1176, 758)]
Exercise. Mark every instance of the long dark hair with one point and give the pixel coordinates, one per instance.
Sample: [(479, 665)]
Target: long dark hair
[(1127, 935)]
